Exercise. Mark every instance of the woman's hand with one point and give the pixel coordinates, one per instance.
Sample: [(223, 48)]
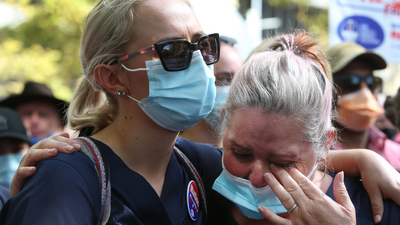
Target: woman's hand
[(44, 149), (380, 180), (313, 205)]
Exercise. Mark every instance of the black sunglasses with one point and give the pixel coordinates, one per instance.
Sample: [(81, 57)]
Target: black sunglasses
[(351, 82), (176, 55)]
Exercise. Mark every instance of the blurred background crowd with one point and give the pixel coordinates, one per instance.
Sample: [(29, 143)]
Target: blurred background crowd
[(39, 63)]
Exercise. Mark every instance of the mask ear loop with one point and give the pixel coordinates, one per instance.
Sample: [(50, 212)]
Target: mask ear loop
[(132, 70)]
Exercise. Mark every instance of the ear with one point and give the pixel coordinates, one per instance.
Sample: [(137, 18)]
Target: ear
[(330, 138), (109, 77)]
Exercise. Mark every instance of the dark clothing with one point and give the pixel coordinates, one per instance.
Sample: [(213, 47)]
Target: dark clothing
[(66, 190), (362, 203), (4, 196)]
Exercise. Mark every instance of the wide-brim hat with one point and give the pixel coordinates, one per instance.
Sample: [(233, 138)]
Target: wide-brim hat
[(342, 54), (11, 125), (36, 92)]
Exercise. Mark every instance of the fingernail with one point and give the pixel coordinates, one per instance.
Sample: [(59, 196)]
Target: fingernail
[(268, 177), (377, 219), (69, 148), (341, 180), (51, 151), (77, 146), (30, 169), (274, 168), (261, 209)]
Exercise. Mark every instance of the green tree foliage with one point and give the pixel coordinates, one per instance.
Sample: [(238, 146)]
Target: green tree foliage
[(44, 48)]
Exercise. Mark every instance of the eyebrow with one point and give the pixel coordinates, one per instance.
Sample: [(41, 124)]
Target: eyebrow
[(196, 37), (274, 155), (232, 142)]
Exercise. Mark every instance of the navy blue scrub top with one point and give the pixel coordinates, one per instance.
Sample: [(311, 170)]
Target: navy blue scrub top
[(66, 190), (362, 203), (4, 196)]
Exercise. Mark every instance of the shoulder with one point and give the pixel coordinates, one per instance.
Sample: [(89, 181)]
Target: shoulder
[(200, 154), (4, 196), (362, 203), (62, 186)]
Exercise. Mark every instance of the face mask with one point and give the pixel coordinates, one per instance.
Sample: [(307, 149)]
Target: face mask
[(178, 100), (358, 110), (8, 165), (214, 118), (35, 139), (247, 197)]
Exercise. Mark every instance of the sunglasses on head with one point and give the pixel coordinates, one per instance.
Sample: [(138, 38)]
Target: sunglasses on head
[(350, 82), (176, 55)]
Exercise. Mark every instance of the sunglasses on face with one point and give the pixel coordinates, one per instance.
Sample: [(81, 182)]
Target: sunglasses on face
[(350, 82), (176, 55)]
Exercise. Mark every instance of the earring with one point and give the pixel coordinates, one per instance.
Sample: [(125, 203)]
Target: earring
[(123, 92)]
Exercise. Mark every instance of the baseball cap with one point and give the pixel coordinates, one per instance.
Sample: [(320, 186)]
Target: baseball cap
[(342, 54), (11, 125)]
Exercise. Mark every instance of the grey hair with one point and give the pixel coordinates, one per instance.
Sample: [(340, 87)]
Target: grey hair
[(290, 79)]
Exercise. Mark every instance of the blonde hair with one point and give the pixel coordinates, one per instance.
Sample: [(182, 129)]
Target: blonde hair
[(288, 78), (108, 29)]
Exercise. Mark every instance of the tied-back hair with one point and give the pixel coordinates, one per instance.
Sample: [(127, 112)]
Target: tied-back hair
[(108, 29), (289, 78)]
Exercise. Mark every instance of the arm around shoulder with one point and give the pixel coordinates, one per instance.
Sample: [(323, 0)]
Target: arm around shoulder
[(64, 190)]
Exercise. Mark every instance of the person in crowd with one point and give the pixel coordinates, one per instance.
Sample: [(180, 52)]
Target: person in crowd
[(278, 120), (392, 112), (137, 92), (14, 143), (40, 111), (357, 106), (206, 131)]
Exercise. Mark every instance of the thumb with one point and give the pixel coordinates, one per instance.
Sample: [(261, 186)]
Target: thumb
[(340, 192)]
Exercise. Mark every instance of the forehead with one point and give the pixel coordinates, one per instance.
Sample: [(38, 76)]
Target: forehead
[(269, 133), (37, 106), (167, 19), (229, 61)]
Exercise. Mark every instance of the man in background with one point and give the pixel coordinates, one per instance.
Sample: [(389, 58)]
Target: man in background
[(207, 130), (14, 143), (41, 113), (357, 105)]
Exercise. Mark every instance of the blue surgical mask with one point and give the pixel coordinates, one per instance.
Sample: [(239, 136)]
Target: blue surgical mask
[(178, 99), (35, 139), (247, 197), (8, 165), (214, 118)]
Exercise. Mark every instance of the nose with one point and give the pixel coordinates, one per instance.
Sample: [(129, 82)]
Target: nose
[(34, 118), (363, 85), (256, 176)]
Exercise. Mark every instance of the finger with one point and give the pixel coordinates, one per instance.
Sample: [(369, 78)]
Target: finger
[(280, 192), (31, 158), (376, 199), (272, 217), (308, 187), (340, 192), (20, 175), (61, 142), (290, 186)]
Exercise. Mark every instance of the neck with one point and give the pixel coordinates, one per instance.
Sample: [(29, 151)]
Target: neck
[(202, 133), (351, 139), (143, 146)]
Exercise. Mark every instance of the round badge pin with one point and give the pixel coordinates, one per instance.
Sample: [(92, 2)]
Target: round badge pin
[(192, 198)]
